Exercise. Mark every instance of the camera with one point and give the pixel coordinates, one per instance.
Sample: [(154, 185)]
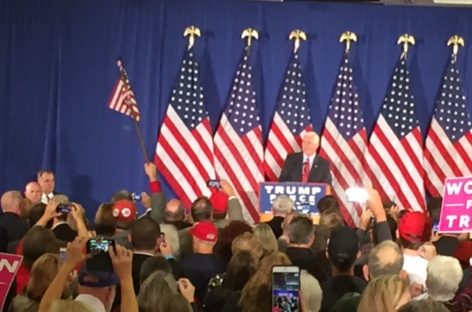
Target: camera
[(100, 260), (136, 197), (214, 183), (64, 208)]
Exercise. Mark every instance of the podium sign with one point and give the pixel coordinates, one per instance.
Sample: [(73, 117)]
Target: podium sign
[(304, 195)]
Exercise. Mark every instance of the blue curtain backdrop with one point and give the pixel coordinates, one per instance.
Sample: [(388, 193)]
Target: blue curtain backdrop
[(57, 69)]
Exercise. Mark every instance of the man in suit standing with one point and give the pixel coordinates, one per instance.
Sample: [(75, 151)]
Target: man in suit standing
[(47, 183), (306, 166), (10, 219)]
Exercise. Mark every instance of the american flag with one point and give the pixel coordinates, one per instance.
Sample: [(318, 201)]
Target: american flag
[(238, 141), (122, 99), (448, 149), (184, 152), (344, 141), (395, 155), (291, 121)]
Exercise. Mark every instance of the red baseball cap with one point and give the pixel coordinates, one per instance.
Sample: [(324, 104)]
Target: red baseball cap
[(219, 201), (414, 226), (124, 210), (205, 230)]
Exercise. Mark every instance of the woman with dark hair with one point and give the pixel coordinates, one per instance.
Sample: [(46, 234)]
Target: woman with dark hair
[(225, 290), (226, 236)]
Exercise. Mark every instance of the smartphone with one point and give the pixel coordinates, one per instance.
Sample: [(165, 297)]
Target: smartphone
[(356, 195), (214, 183), (136, 197), (62, 254), (435, 226), (285, 288), (64, 208), (99, 260)]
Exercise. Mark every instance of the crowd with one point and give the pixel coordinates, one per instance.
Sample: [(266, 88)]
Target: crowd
[(207, 258)]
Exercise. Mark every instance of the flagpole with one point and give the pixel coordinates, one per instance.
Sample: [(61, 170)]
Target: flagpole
[(124, 75), (141, 140)]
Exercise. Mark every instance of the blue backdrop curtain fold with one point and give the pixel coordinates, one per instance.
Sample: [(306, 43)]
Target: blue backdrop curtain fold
[(57, 69)]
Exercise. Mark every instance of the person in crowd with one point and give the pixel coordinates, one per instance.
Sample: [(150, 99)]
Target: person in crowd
[(201, 210), (170, 247), (35, 213), (224, 290), (268, 241), (327, 204), (310, 292), (146, 240), (203, 264), (329, 221), (105, 222), (248, 242), (124, 212), (42, 273), (154, 289), (301, 234), (60, 227), (443, 277), (36, 243), (257, 293), (446, 243), (226, 206), (11, 219), (282, 205), (226, 237), (175, 214), (33, 192), (343, 249), (386, 293), (384, 259), (306, 166), (95, 289), (423, 305), (47, 182), (153, 264), (175, 303), (414, 230), (283, 240)]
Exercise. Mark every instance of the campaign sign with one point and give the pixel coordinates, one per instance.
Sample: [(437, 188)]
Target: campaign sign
[(9, 265), (304, 195), (456, 212)]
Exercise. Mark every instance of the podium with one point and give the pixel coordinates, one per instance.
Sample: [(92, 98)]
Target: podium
[(304, 195)]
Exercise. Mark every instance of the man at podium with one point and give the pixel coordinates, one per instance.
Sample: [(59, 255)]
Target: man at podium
[(306, 166)]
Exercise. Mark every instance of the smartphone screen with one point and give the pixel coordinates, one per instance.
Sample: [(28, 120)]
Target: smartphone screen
[(214, 183), (285, 288), (435, 227), (100, 260), (356, 195)]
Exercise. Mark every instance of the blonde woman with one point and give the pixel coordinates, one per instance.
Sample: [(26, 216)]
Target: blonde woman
[(267, 238), (385, 293), (256, 296)]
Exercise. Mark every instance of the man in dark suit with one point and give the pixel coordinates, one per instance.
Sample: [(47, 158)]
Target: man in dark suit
[(47, 182), (10, 219), (281, 207), (306, 166), (145, 238)]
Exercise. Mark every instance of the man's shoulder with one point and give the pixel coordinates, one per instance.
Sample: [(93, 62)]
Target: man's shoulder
[(295, 155)]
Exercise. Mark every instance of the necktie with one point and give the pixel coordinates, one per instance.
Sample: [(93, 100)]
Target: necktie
[(305, 171)]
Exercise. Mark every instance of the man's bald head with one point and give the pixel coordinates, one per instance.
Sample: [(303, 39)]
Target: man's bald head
[(33, 192), (385, 258), (310, 143), (11, 201), (174, 210)]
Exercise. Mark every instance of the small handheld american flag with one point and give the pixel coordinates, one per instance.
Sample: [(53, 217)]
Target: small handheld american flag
[(122, 99)]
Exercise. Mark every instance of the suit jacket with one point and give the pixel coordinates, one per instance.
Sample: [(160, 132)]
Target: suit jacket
[(15, 226), (137, 263), (292, 170), (276, 225)]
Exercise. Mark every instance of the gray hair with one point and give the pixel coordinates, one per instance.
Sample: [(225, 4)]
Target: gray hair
[(444, 276), (171, 237), (282, 204), (382, 262), (311, 292), (301, 230), (157, 286)]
